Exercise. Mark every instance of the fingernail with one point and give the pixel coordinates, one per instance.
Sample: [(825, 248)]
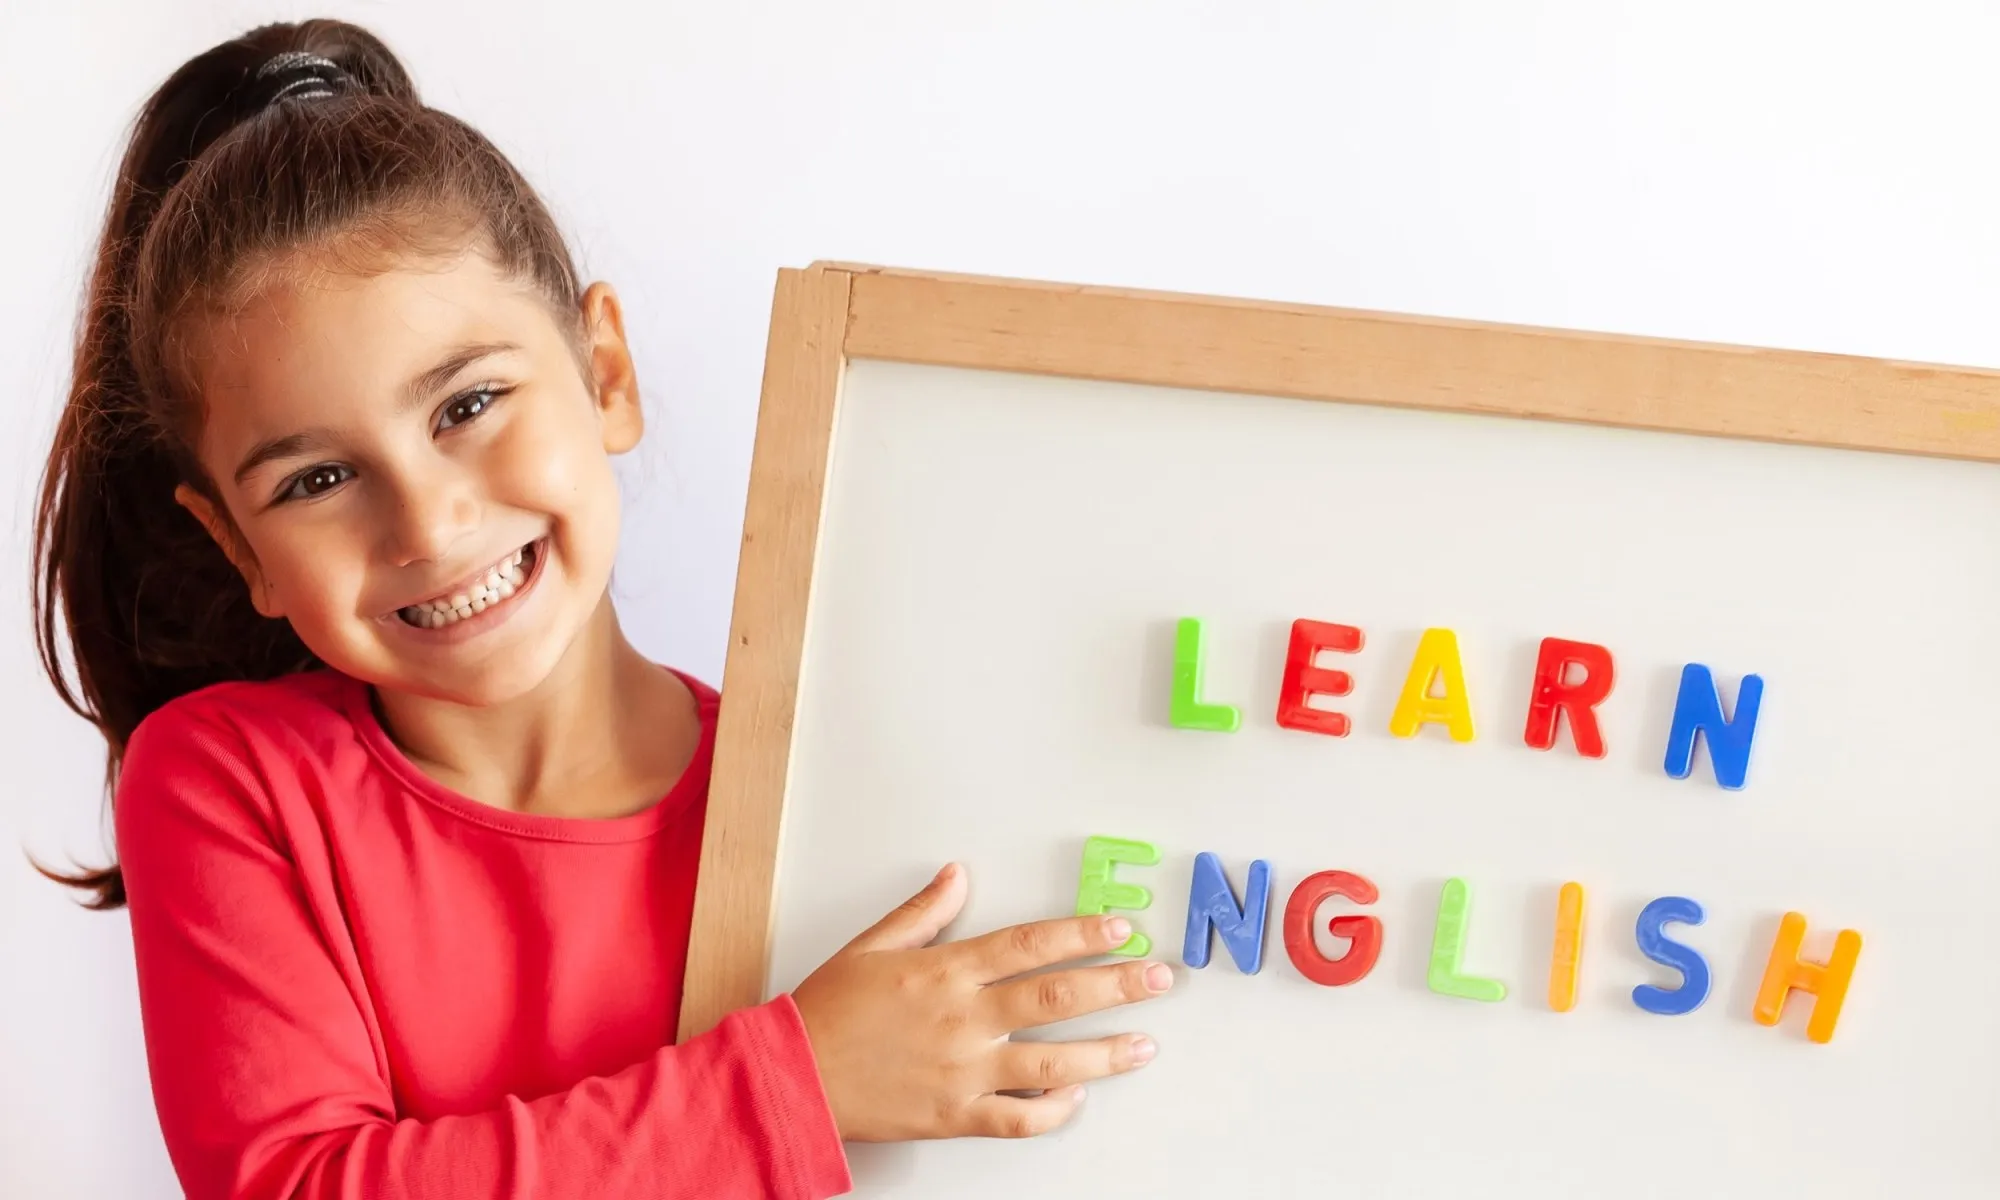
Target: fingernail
[(950, 869), (1143, 1050), (1118, 929), (1159, 978)]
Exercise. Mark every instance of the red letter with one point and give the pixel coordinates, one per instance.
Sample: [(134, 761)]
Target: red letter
[(1364, 932), (1303, 679), (1553, 695)]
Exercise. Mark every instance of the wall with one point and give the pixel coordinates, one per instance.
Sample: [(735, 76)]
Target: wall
[(1788, 176)]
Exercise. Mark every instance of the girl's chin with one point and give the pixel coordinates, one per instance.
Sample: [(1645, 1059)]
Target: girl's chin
[(473, 685)]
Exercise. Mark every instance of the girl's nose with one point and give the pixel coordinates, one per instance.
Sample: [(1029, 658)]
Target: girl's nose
[(432, 513)]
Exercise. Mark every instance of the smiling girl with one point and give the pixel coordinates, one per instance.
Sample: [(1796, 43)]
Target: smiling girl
[(406, 827)]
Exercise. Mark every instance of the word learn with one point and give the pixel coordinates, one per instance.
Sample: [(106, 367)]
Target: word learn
[(1214, 912), (1571, 680)]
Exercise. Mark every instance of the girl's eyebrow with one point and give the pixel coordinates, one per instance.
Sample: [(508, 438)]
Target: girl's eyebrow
[(415, 392), (288, 446), (426, 382)]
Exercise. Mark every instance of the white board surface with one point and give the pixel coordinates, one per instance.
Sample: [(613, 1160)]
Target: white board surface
[(986, 677)]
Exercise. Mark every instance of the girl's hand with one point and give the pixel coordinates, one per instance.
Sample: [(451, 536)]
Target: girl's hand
[(912, 1039)]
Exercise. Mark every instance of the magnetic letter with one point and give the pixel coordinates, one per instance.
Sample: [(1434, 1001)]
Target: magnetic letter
[(1098, 893), (1698, 710), (1212, 906), (1826, 982), (1437, 654), (1364, 934), (1554, 696), (1188, 710), (1566, 960), (1448, 947), (1655, 945), (1303, 680)]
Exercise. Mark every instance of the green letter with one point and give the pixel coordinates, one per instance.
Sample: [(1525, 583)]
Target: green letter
[(1098, 893), (1188, 711), (1449, 943)]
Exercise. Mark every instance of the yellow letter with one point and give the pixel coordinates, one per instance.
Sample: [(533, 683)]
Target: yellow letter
[(1827, 982), (1568, 955), (1437, 654)]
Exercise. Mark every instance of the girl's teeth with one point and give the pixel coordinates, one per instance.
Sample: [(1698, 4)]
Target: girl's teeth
[(500, 582)]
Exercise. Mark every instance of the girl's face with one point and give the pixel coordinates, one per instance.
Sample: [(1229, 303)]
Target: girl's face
[(417, 468)]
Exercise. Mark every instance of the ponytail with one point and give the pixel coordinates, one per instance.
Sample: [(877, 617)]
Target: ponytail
[(227, 168)]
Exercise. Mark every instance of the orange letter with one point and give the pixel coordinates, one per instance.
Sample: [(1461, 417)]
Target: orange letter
[(1826, 982), (1303, 680), (1568, 955)]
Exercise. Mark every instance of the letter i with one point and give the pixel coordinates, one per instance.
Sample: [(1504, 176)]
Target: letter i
[(1567, 960)]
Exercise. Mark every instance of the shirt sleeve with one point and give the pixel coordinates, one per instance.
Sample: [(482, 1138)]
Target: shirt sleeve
[(269, 1086)]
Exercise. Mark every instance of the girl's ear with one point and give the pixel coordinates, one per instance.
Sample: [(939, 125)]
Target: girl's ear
[(611, 370), (239, 555)]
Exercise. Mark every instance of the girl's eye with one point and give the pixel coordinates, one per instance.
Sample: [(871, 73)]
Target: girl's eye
[(315, 480), (465, 407)]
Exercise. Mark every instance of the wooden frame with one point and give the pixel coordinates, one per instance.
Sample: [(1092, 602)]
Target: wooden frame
[(827, 315)]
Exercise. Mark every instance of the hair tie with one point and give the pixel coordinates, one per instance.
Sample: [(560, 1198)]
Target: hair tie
[(301, 76)]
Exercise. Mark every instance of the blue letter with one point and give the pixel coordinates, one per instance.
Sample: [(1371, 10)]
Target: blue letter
[(1656, 946), (1699, 709), (1212, 903)]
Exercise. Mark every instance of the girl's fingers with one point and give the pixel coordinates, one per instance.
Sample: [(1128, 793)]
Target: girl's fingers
[(1022, 1116), (1052, 1066), (917, 921), (1060, 995), (1037, 944)]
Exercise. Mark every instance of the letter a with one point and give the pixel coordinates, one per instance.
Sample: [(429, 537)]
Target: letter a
[(1437, 655)]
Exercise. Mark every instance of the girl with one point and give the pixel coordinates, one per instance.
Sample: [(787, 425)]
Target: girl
[(406, 827)]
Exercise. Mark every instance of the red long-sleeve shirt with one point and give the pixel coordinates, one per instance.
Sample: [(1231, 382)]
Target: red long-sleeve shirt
[(358, 984)]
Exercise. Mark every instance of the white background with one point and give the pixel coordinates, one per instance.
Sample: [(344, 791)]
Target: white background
[(1777, 173)]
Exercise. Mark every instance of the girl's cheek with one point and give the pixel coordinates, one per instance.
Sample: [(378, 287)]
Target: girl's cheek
[(552, 464), (325, 572)]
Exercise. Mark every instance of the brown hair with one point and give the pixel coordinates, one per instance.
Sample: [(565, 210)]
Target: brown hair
[(228, 173)]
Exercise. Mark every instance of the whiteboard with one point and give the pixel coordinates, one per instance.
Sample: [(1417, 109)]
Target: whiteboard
[(1001, 567)]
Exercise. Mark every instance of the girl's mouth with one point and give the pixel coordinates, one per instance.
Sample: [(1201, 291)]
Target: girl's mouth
[(494, 587)]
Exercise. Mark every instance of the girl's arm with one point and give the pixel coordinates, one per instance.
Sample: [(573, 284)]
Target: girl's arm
[(269, 1087)]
